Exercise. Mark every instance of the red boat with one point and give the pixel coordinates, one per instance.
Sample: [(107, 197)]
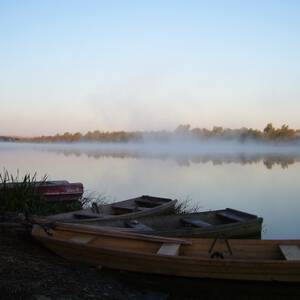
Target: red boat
[(54, 191)]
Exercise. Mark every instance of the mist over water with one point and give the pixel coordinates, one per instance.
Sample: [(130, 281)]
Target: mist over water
[(174, 147), (184, 152), (259, 179)]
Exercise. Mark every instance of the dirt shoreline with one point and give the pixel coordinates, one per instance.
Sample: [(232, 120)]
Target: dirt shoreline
[(29, 271)]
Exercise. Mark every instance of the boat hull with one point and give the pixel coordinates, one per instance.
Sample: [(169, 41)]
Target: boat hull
[(61, 192), (129, 252), (184, 267), (249, 227), (51, 191), (163, 206)]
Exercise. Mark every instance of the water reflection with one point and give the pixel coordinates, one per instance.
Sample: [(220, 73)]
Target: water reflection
[(269, 160)]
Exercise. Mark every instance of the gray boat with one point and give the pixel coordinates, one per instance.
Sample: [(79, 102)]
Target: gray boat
[(226, 223), (122, 210)]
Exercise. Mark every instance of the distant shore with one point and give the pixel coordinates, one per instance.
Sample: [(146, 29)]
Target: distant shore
[(269, 134)]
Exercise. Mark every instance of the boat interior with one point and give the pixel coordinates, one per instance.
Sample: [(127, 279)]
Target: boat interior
[(194, 220), (115, 209)]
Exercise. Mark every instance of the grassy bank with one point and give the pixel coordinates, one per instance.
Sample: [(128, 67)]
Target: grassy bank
[(19, 195)]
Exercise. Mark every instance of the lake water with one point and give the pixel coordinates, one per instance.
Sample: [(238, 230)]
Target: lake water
[(263, 181)]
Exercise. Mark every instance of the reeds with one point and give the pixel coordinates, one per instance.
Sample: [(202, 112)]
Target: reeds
[(20, 195)]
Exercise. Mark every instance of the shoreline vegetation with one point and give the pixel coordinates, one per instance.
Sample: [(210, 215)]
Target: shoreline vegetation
[(269, 134), (19, 195)]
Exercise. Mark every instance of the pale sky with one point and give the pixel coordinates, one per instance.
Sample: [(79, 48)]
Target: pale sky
[(147, 65)]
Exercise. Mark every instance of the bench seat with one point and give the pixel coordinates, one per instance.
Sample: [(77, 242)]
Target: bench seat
[(170, 249), (86, 215), (290, 252), (137, 225), (122, 209), (230, 216), (195, 223), (146, 203), (82, 239)]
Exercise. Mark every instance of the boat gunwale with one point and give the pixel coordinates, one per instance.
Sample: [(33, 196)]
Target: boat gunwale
[(98, 231)]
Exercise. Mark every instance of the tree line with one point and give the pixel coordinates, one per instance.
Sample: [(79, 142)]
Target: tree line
[(268, 134)]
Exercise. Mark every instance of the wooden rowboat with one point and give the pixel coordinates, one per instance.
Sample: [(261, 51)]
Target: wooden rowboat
[(127, 209), (258, 260), (229, 223)]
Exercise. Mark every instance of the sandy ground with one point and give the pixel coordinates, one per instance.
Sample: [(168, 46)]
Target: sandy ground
[(28, 271)]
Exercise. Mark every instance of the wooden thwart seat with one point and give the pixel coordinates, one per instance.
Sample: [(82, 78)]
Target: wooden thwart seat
[(142, 208), (86, 215), (137, 225), (146, 203), (169, 249), (290, 252), (195, 223), (230, 216), (122, 209), (82, 239)]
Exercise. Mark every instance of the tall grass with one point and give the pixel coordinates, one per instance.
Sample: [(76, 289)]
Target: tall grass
[(19, 195)]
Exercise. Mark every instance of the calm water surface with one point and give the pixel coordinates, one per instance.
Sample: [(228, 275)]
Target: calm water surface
[(262, 182)]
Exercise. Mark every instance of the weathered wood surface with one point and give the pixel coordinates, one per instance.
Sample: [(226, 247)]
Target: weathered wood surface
[(138, 226), (290, 252), (250, 260), (123, 210), (231, 216), (201, 224), (84, 215), (169, 249), (113, 232), (196, 223), (82, 239)]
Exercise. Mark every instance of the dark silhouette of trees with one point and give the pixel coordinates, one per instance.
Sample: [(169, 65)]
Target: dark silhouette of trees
[(280, 134), (269, 134)]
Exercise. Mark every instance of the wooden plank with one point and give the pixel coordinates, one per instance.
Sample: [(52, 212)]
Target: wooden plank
[(86, 215), (169, 249), (230, 216), (115, 232), (122, 209), (142, 208), (290, 252), (147, 203), (241, 213), (82, 239), (196, 223), (137, 225)]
